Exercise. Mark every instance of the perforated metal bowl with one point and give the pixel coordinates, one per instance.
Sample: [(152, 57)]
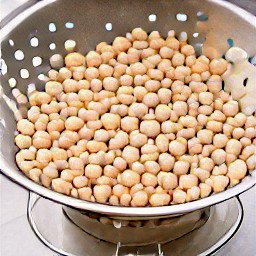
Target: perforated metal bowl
[(42, 27)]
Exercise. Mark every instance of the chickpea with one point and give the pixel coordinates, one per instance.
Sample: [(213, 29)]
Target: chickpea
[(206, 163), (180, 108), (237, 170), (137, 139), (250, 132), (206, 98), (205, 190), (148, 179), (151, 100), (179, 196), (194, 146), (67, 139), (110, 84), (205, 136), (152, 167), (111, 121), (162, 142), (188, 181), (121, 44), (129, 124), (188, 121), (214, 126), (162, 112), (102, 193), (178, 59), (230, 108), (138, 110), (218, 156), (74, 59), (61, 186), (193, 194), (219, 183), (25, 127), (140, 199), (93, 171), (125, 199), (250, 162), (85, 193), (35, 174), (74, 123), (178, 147), (139, 92), (181, 167), (197, 87), (160, 199), (248, 151), (23, 141), (41, 139), (95, 146), (130, 154), (201, 173), (129, 178), (238, 133), (150, 128), (218, 67), (220, 170), (214, 84)]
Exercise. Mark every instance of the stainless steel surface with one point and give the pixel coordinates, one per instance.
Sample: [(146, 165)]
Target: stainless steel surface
[(124, 15)]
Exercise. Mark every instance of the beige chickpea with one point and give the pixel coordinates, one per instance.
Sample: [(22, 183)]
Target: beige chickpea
[(162, 142), (245, 141), (251, 163), (111, 171), (228, 129), (238, 133), (138, 69), (214, 84), (33, 113), (97, 158), (85, 95), (113, 200), (220, 170), (95, 146), (241, 119), (197, 87), (159, 199), (194, 146), (206, 163), (86, 133), (187, 50), (119, 190), (218, 67), (25, 127), (93, 171), (85, 193), (205, 109), (233, 147), (102, 193), (193, 194), (125, 199), (80, 181), (188, 121), (140, 199), (166, 52), (201, 173), (217, 115), (181, 167), (129, 124), (67, 139), (74, 123), (74, 59), (169, 127), (202, 119), (179, 196), (101, 135), (137, 139), (61, 186), (157, 43), (167, 181), (51, 171), (199, 67), (44, 156), (206, 98), (237, 170), (53, 88), (129, 178), (219, 183), (180, 108), (148, 179), (93, 59), (23, 141), (151, 99), (34, 174), (152, 85), (205, 190), (121, 44), (207, 150), (96, 85), (214, 126), (178, 147), (91, 73), (111, 121), (178, 59), (140, 45), (39, 98), (41, 139), (105, 70), (218, 156), (162, 112), (165, 65), (138, 167), (205, 136), (248, 151), (75, 163), (186, 133), (188, 181), (138, 110), (139, 34), (126, 80), (120, 140), (250, 132), (150, 128), (120, 109), (166, 84), (152, 167), (155, 74), (230, 108), (110, 84), (139, 92), (130, 154)]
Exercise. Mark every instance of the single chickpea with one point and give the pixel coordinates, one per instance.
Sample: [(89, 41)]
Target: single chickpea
[(178, 59), (129, 124), (181, 167), (218, 156), (74, 123), (137, 139), (23, 141), (126, 80), (218, 67), (140, 199), (194, 146), (220, 170), (188, 50), (193, 194), (205, 136), (110, 84), (248, 151), (217, 115), (150, 128), (138, 167), (53, 88), (111, 171), (230, 108), (219, 183), (180, 108), (206, 98), (111, 121), (91, 73), (162, 142), (250, 162), (95, 146), (41, 139), (74, 59), (121, 44), (205, 190), (250, 132), (151, 99), (178, 147), (61, 186), (214, 84), (139, 34), (93, 59), (80, 181), (129, 178), (125, 199), (214, 126), (138, 110), (139, 92), (238, 133), (130, 154), (179, 196), (152, 167), (169, 127), (201, 173), (206, 163), (93, 171), (25, 127), (138, 69), (159, 199), (199, 67), (162, 112), (119, 190), (102, 193), (188, 121), (152, 85), (166, 52), (188, 181), (85, 193), (148, 179)]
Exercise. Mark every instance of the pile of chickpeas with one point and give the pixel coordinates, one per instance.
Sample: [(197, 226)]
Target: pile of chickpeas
[(139, 122)]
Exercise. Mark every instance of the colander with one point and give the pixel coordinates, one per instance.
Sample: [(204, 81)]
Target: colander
[(40, 29)]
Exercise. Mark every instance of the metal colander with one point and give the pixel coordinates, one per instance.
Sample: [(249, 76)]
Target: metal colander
[(42, 27)]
